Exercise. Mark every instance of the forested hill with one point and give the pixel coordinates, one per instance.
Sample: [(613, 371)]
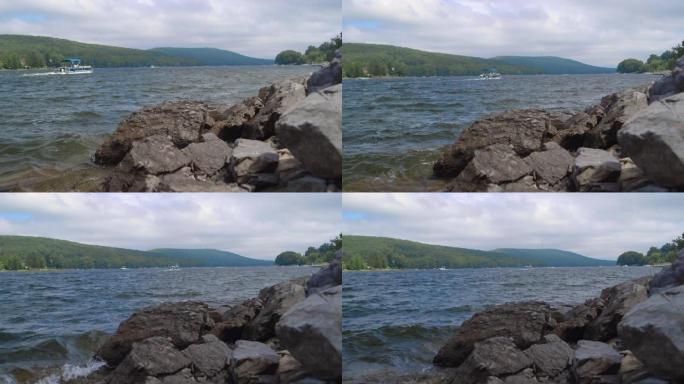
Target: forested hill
[(19, 51), (372, 60), (361, 252), (24, 252), (552, 65)]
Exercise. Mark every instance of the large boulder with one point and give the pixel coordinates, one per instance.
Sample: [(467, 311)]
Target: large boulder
[(312, 331), (250, 157), (525, 322), (574, 131), (575, 321), (525, 130), (312, 131), (669, 85), (154, 155), (594, 359), (654, 139), (277, 98), (618, 300), (327, 76), (551, 166), (327, 277), (210, 357), (182, 121), (552, 357), (670, 276), (183, 323), (495, 164), (155, 356), (496, 356), (276, 300), (229, 123), (208, 157), (619, 107), (251, 360), (594, 169), (654, 331), (233, 321)]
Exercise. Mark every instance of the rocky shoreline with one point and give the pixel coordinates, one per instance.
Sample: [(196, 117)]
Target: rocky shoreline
[(290, 333), (632, 333), (633, 141)]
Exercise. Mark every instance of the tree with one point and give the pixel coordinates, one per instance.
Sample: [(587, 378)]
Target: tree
[(13, 263), (289, 57), (630, 66), (289, 258), (355, 263), (631, 258)]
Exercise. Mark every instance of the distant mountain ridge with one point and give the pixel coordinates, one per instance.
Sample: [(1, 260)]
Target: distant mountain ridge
[(19, 51), (21, 252), (376, 60), (383, 252)]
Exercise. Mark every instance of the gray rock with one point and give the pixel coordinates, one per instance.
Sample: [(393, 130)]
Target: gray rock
[(552, 357), (654, 140), (312, 331), (669, 277), (496, 164), (574, 323), (524, 377), (574, 131), (306, 184), (551, 165), (312, 131), (327, 277), (277, 98), (525, 322), (152, 357), (631, 177), (593, 359), (252, 157), (251, 149), (618, 300), (669, 85), (183, 377), (184, 180), (229, 122), (154, 155), (210, 357), (233, 321), (619, 107), (209, 156), (654, 331), (276, 300), (497, 356), (252, 359), (183, 322), (593, 167), (325, 77)]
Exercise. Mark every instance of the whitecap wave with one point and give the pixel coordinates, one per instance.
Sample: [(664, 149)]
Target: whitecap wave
[(71, 372)]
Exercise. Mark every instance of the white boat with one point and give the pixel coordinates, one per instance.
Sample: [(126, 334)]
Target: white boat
[(174, 268), (73, 66), (123, 268), (490, 76), (442, 269)]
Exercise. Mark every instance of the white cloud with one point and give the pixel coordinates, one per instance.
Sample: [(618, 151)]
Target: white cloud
[(595, 32), (258, 28), (254, 225), (600, 226)]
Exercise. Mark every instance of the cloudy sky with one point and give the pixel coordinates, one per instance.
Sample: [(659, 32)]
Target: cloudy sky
[(596, 32), (595, 225), (259, 28), (253, 225)]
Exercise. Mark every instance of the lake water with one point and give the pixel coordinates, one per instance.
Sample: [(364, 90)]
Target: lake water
[(51, 322), (53, 123), (394, 129), (395, 322)]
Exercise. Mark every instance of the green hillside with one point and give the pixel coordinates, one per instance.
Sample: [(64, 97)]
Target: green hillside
[(554, 257), (212, 56), (209, 258), (25, 252), (362, 252), (18, 51), (552, 65), (359, 60)]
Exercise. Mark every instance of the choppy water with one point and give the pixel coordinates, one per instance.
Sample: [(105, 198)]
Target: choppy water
[(394, 129), (395, 322), (53, 123), (51, 322)]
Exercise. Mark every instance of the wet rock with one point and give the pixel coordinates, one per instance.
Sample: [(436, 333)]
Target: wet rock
[(208, 157), (327, 277), (182, 322), (182, 121), (277, 98), (593, 168), (276, 301), (154, 155), (312, 131), (618, 300), (669, 85), (552, 357), (552, 165), (311, 331), (524, 130), (210, 357), (152, 357), (594, 359), (669, 277), (525, 322), (654, 331), (496, 356), (251, 360), (654, 140)]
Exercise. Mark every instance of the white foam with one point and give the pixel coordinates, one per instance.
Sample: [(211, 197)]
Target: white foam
[(69, 372)]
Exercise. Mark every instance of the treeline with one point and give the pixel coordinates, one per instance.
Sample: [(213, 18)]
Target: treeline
[(655, 63), (667, 253), (322, 53), (323, 254), (372, 60)]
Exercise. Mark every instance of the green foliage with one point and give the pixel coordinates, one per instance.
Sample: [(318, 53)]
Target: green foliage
[(381, 253), (211, 56), (631, 258), (554, 65), (290, 258), (631, 66), (325, 253), (313, 54), (208, 258), (354, 263), (13, 263)]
